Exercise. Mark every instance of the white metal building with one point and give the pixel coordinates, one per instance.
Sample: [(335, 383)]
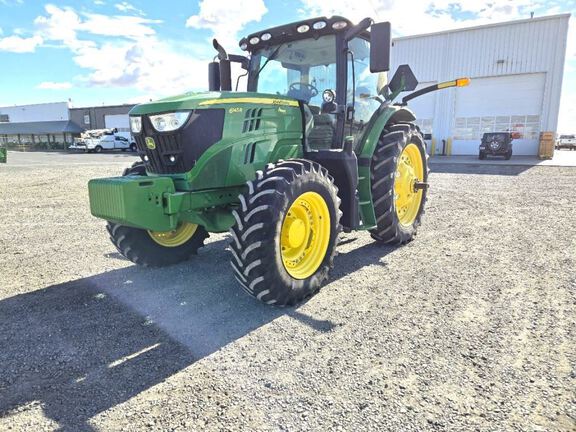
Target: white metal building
[(516, 69), (53, 111)]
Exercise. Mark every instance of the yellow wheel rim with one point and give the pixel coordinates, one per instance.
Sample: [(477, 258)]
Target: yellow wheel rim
[(183, 232), (409, 170), (305, 235)]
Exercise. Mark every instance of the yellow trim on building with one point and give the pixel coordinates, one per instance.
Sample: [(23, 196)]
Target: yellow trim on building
[(264, 101), (433, 147), (449, 147)]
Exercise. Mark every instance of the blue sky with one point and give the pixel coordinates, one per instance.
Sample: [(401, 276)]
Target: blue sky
[(116, 51)]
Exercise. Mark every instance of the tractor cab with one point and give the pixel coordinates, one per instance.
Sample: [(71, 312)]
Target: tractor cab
[(335, 70)]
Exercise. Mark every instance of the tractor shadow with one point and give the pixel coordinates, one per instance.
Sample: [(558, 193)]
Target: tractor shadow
[(84, 346)]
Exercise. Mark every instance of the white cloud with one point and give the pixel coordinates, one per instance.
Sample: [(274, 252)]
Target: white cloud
[(424, 16), (19, 44), (127, 8), (130, 56), (226, 19), (51, 85)]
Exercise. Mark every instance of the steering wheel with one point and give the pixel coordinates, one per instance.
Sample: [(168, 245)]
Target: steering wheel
[(307, 91)]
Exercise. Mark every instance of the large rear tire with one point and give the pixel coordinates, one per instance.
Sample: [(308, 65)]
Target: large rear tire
[(399, 162), (152, 248), (284, 240)]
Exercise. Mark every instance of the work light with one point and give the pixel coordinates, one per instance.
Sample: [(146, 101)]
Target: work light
[(170, 121), (136, 124)]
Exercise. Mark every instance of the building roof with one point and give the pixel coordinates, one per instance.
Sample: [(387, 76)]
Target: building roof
[(127, 105), (47, 127), (484, 26)]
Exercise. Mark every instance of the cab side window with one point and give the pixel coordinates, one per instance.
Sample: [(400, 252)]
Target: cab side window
[(362, 88)]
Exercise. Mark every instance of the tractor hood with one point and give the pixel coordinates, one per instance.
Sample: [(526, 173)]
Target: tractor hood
[(192, 101)]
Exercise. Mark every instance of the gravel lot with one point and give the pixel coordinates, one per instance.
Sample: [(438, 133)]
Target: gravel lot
[(470, 327)]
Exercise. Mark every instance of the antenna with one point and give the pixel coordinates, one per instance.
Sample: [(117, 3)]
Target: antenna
[(531, 15)]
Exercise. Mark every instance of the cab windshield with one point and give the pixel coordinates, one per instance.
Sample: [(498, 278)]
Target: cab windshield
[(300, 69)]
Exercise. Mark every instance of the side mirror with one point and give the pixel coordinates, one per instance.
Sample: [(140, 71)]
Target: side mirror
[(403, 80), (380, 40)]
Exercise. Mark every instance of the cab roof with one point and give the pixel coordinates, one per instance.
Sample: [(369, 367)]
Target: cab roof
[(289, 32)]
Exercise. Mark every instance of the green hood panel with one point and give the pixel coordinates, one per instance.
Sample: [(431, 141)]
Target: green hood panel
[(191, 101)]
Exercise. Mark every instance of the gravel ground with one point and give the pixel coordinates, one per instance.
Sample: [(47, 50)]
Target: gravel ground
[(470, 327)]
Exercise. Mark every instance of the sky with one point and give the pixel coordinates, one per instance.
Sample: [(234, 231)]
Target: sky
[(96, 52)]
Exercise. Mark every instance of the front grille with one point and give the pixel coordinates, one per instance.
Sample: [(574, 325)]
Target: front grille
[(202, 130)]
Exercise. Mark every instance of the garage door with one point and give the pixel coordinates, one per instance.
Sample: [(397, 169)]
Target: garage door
[(499, 104), (119, 121)]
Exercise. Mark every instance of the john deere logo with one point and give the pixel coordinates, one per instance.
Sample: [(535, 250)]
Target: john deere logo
[(150, 143)]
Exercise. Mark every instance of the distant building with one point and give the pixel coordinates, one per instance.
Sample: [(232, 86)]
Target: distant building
[(55, 125), (100, 117), (516, 69)]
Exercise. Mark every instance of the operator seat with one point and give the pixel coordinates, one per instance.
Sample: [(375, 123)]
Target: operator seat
[(321, 134)]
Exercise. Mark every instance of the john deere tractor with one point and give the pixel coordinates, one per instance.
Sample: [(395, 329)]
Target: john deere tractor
[(313, 147)]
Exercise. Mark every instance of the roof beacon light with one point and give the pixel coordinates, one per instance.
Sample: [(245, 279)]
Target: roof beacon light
[(254, 40), (319, 25), (339, 25), (266, 37), (243, 46), (303, 28)]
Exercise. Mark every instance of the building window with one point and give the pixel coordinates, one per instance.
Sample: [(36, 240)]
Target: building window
[(4, 118), (86, 119), (472, 128)]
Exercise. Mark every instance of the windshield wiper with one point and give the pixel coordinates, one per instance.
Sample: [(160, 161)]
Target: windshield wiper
[(272, 57)]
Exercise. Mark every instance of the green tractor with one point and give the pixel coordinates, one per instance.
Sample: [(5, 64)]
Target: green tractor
[(315, 146)]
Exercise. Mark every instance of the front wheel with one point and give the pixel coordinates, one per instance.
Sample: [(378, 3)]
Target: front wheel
[(399, 175), (286, 231), (98, 149), (155, 248), (133, 147)]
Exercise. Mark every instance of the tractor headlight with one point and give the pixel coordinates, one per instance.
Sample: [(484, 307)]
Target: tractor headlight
[(170, 121), (136, 124)]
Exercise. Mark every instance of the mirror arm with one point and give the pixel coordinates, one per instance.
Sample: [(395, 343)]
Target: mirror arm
[(357, 29), (239, 59)]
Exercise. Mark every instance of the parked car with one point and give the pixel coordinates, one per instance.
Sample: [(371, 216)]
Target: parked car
[(496, 144), (103, 139), (567, 142)]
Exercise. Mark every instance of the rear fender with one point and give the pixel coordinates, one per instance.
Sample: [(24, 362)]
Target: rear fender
[(387, 115)]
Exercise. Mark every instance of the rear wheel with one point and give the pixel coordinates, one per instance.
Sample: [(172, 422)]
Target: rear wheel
[(481, 155), (399, 172), (508, 155), (133, 147), (286, 231), (156, 248)]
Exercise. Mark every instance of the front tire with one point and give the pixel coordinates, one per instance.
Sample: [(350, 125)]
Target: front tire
[(151, 248), (398, 166), (284, 240), (98, 149)]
